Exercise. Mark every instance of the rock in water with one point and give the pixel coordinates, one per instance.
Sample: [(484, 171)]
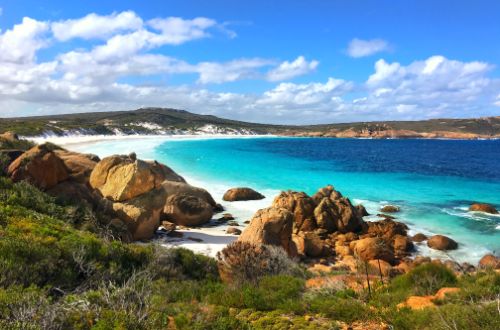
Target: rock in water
[(419, 237), (242, 194), (120, 178), (271, 226), (335, 212), (483, 207), (440, 242), (390, 208), (187, 210), (39, 166)]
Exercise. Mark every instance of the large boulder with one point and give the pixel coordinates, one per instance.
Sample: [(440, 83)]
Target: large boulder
[(302, 207), (483, 207), (173, 188), (386, 229), (242, 194), (75, 192), (40, 166), (121, 178), (489, 261), (141, 214), (336, 213), (187, 210), (401, 245), (440, 242), (79, 165), (271, 226), (371, 248)]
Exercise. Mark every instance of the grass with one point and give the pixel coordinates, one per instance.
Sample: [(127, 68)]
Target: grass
[(58, 271)]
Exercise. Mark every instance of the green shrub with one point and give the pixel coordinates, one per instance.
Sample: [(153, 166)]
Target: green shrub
[(424, 280), (272, 292)]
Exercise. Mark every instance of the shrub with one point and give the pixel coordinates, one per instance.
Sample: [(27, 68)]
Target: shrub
[(245, 262), (425, 279), (181, 264), (272, 292)]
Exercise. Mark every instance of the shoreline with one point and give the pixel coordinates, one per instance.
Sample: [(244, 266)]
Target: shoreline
[(66, 140), (76, 140)]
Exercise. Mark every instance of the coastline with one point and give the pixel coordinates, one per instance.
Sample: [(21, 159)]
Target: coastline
[(215, 237)]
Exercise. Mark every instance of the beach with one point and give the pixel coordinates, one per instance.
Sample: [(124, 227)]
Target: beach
[(209, 165)]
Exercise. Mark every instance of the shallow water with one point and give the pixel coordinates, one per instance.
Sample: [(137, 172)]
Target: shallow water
[(433, 181)]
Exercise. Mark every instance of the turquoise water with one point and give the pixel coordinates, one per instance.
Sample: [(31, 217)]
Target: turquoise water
[(433, 181)]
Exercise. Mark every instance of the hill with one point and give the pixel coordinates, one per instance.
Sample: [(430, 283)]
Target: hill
[(172, 121)]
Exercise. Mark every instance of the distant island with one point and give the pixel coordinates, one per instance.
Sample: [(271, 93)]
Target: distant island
[(165, 121)]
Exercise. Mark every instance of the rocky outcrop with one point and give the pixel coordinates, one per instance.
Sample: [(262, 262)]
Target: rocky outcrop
[(242, 194), (141, 214), (187, 210), (79, 166), (301, 206), (40, 166), (371, 248), (270, 226), (440, 242), (174, 188), (335, 212), (120, 178), (483, 207), (9, 136), (489, 261)]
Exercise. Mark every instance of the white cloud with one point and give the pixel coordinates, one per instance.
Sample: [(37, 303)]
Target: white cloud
[(288, 70), (211, 72), (175, 30), (19, 44), (95, 26), (125, 71), (361, 48)]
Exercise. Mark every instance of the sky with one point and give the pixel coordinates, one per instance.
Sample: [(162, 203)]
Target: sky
[(287, 62)]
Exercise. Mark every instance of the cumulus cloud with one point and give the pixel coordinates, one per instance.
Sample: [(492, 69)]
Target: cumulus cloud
[(96, 26), (21, 43), (288, 70), (175, 30), (212, 72), (361, 48), (103, 76)]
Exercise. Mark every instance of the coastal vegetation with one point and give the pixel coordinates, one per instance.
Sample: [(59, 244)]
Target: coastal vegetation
[(75, 253)]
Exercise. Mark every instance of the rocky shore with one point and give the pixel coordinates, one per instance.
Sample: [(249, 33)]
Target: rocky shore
[(140, 197)]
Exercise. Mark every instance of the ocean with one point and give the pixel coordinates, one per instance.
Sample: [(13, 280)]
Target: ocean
[(433, 181)]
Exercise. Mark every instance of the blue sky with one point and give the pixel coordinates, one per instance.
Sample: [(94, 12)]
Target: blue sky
[(264, 61)]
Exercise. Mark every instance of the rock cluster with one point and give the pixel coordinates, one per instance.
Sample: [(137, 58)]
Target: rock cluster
[(326, 226), (135, 194)]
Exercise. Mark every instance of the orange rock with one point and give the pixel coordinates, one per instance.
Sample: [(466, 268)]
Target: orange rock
[(489, 261), (418, 302), (443, 292)]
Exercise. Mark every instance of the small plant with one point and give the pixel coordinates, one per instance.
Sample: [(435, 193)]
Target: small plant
[(425, 279), (246, 262)]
